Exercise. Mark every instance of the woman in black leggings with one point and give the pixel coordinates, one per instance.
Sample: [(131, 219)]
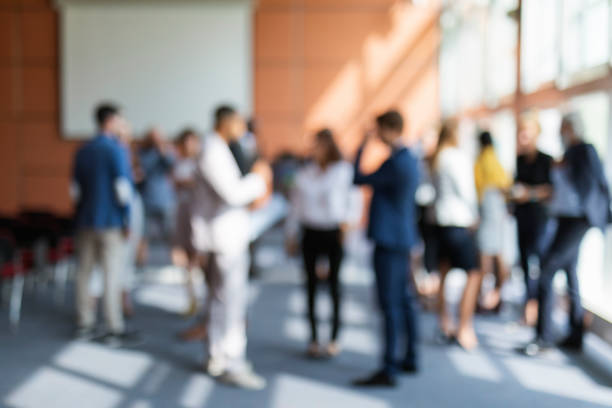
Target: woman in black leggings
[(319, 208)]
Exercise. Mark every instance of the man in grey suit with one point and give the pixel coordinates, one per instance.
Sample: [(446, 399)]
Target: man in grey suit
[(221, 233)]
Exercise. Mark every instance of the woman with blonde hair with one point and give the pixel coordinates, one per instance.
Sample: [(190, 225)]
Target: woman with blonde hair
[(532, 188), (456, 214)]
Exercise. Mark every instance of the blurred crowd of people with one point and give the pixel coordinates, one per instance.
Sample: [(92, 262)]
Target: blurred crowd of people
[(199, 193)]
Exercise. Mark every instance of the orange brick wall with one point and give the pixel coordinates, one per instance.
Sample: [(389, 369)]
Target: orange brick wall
[(34, 160), (316, 63), (338, 63)]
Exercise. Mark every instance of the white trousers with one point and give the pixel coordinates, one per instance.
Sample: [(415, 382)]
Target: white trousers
[(226, 308), (104, 248)]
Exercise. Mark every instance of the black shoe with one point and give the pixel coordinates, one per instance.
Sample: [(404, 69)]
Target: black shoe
[(571, 343), (125, 339), (409, 368), (379, 379), (85, 333)]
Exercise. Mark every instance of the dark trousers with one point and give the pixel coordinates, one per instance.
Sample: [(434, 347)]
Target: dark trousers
[(396, 299), (532, 228), (328, 243), (563, 254)]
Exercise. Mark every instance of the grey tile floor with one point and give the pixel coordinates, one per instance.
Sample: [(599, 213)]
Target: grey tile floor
[(40, 366)]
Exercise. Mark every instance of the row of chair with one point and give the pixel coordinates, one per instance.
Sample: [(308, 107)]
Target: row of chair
[(36, 246)]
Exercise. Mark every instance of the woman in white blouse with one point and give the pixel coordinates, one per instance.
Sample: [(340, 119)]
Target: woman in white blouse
[(320, 207), (456, 210)]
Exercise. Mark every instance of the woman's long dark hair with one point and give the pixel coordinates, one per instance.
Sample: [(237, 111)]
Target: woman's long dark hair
[(447, 135), (333, 154)]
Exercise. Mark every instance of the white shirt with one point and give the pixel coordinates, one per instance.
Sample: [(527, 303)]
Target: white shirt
[(220, 219), (184, 170), (321, 198), (456, 203)]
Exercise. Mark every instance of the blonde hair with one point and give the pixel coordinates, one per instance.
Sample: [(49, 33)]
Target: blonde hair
[(530, 117)]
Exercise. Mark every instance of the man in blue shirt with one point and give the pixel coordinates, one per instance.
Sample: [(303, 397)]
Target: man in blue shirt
[(157, 162), (393, 228), (101, 189)]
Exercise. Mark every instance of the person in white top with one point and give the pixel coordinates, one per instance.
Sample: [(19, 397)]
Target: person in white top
[(456, 210), (183, 175), (320, 203), (221, 234)]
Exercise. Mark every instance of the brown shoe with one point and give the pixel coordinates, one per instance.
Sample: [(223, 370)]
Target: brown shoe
[(194, 333)]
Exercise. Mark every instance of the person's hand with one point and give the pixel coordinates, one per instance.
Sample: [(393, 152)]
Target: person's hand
[(519, 193), (263, 170), (474, 227), (344, 231), (367, 136), (125, 232), (291, 246)]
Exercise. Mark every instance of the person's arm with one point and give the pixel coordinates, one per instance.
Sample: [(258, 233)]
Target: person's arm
[(339, 193), (220, 170), (167, 159), (122, 182), (75, 190), (478, 178), (462, 174), (383, 177), (596, 167), (292, 222)]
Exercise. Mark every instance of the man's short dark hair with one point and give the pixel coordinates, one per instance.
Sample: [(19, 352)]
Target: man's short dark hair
[(391, 120), (222, 113), (104, 112)]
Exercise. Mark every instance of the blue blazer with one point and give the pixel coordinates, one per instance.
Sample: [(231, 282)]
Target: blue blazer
[(97, 167), (587, 174), (392, 223)]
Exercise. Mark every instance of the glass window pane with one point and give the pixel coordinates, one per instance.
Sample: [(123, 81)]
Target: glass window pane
[(501, 47), (595, 111), (585, 34), (539, 42)]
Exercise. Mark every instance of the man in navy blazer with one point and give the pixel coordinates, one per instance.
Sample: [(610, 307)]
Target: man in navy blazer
[(393, 228), (584, 205), (102, 190)]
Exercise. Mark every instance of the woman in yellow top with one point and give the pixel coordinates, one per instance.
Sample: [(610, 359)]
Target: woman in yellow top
[(492, 182)]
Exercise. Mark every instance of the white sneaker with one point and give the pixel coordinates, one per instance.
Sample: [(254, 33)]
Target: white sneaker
[(214, 368), (246, 379)]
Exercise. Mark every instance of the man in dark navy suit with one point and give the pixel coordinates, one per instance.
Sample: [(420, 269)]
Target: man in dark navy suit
[(393, 229), (581, 202)]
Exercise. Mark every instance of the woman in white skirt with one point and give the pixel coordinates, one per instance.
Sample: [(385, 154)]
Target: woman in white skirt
[(492, 183)]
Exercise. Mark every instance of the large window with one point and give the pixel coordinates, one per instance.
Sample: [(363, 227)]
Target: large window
[(584, 35), (462, 59), (500, 51), (539, 42), (594, 108), (565, 51)]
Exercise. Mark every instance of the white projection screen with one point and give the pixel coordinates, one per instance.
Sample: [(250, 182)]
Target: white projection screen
[(166, 63)]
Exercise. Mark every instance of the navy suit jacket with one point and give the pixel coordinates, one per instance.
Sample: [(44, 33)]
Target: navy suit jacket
[(589, 179), (392, 222)]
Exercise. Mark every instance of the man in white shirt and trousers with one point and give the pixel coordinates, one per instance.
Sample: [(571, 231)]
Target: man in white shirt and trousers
[(220, 224)]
